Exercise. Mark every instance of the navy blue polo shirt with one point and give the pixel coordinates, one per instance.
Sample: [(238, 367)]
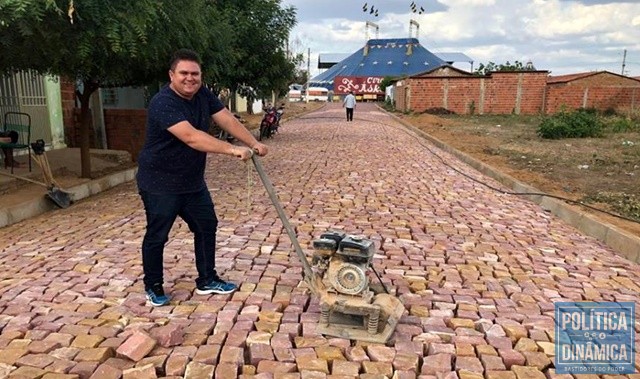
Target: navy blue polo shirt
[(167, 165)]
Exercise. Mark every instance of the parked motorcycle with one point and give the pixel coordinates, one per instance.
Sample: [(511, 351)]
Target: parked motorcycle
[(269, 123)]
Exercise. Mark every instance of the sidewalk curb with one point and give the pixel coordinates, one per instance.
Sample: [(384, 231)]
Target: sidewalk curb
[(623, 242), (36, 207)]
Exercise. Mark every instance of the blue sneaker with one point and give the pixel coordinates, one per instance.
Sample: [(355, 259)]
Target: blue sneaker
[(156, 295), (216, 285)]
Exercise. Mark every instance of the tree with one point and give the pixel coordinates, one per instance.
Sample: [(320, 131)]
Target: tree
[(100, 43), (260, 29), (113, 43), (490, 67)]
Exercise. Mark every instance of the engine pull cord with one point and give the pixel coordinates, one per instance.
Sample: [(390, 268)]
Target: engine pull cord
[(379, 279)]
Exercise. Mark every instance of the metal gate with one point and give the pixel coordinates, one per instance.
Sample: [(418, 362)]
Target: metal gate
[(25, 92)]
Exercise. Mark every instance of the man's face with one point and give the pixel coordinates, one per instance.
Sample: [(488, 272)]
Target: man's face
[(186, 78)]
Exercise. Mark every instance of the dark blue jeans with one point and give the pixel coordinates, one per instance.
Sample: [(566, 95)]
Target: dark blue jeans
[(197, 210)]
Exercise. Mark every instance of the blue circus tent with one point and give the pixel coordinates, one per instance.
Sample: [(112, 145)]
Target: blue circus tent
[(380, 58)]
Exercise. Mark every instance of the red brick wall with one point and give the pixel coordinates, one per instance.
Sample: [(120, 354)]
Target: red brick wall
[(602, 91), (464, 95), (126, 129)]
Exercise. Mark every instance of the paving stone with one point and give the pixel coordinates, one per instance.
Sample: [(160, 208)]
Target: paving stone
[(523, 372), (105, 371), (259, 352), (207, 354), (307, 363), (143, 372), (273, 367), (478, 272), (98, 354), (137, 346), (436, 364), (176, 365), (379, 353), (168, 335), (197, 370)]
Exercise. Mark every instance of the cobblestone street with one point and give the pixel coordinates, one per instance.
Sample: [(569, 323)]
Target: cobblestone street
[(478, 271)]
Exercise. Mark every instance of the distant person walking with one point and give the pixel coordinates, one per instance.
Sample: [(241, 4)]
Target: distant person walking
[(350, 104)]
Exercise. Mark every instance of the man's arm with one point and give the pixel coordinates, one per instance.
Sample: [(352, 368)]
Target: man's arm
[(228, 122), (202, 141)]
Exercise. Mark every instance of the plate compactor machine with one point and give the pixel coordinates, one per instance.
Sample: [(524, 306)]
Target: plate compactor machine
[(351, 307)]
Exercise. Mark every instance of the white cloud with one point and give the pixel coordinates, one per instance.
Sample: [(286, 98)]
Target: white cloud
[(557, 35)]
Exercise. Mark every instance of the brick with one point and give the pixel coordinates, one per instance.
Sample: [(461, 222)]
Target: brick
[(207, 354), (436, 364), (98, 354), (346, 368), (500, 375), (312, 364), (259, 352), (380, 368), (380, 353), (168, 335), (226, 371), (523, 372), (137, 346), (273, 367), (143, 372), (197, 370), (84, 341), (35, 360), (105, 371), (176, 365)]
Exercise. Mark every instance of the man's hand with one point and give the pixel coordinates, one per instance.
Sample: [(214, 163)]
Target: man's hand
[(261, 149), (244, 153)]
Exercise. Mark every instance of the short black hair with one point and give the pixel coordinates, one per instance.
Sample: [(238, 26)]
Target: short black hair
[(184, 55)]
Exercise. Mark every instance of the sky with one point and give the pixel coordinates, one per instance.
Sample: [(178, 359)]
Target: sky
[(560, 36)]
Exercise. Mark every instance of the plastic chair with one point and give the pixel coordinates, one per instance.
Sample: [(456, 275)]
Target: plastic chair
[(21, 124)]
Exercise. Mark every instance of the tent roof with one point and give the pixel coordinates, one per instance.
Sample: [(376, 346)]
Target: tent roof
[(454, 57), (385, 57)]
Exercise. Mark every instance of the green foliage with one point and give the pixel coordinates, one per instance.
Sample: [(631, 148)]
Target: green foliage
[(389, 105), (111, 43), (581, 123), (623, 203), (386, 81), (620, 124), (491, 66)]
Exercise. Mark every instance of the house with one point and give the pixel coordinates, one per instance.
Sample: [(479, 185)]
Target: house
[(39, 97)]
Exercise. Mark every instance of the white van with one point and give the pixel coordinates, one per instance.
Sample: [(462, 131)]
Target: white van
[(317, 94), (295, 93)]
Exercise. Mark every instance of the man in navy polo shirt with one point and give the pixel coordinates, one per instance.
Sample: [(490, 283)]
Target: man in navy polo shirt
[(171, 172)]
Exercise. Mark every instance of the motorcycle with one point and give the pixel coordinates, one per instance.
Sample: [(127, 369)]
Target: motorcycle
[(269, 123)]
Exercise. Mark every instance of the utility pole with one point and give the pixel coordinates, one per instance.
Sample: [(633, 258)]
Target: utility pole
[(624, 60), (306, 94)]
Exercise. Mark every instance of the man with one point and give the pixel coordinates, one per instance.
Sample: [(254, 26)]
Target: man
[(349, 103), (171, 172)]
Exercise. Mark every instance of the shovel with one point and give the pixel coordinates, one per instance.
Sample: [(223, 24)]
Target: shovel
[(60, 197)]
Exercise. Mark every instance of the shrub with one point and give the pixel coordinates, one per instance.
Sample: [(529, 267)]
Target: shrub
[(623, 125), (581, 123)]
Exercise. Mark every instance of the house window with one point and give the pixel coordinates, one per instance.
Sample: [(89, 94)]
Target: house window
[(109, 96)]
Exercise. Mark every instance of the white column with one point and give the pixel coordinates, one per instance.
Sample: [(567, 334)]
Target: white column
[(54, 108)]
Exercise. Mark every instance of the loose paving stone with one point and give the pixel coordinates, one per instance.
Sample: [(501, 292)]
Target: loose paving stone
[(477, 270)]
